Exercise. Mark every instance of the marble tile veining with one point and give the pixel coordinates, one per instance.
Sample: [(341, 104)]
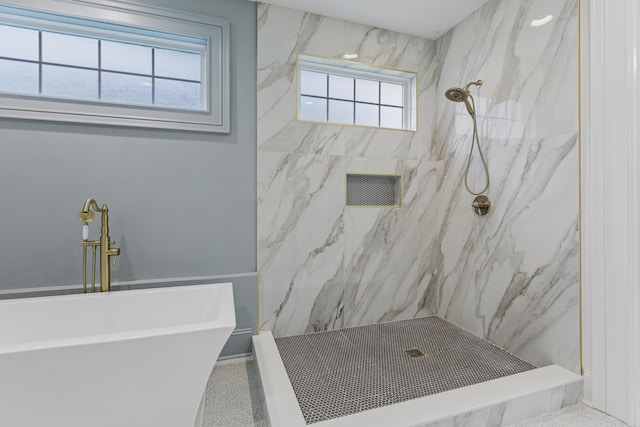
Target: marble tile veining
[(324, 265), (511, 277)]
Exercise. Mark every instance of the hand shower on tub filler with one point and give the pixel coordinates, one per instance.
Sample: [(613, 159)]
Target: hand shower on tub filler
[(481, 204), (86, 215)]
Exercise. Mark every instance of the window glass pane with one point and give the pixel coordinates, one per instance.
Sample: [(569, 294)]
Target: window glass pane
[(340, 111), (340, 87), (366, 115), (391, 94), (126, 88), (313, 109), (21, 77), (391, 117), (312, 83), (20, 43), (177, 64), (126, 57), (367, 91), (171, 93), (69, 50), (71, 82)]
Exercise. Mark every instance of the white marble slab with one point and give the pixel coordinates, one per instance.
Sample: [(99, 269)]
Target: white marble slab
[(512, 276), (322, 265)]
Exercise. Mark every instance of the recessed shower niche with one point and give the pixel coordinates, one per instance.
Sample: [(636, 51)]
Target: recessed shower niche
[(373, 191)]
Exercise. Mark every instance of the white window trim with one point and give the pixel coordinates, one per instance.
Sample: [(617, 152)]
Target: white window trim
[(214, 118), (408, 79)]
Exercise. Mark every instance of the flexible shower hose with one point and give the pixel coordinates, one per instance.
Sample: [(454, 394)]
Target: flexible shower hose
[(475, 140)]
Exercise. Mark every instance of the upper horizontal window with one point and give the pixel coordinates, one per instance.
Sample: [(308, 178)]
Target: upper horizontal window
[(167, 71), (73, 65), (343, 92)]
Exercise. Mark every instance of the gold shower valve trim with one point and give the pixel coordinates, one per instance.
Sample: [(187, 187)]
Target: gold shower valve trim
[(481, 205)]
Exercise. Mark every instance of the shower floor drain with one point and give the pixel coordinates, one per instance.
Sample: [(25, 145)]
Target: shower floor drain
[(341, 372), (414, 352)]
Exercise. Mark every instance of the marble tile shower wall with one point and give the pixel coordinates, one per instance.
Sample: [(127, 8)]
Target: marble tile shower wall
[(324, 266), (513, 276)]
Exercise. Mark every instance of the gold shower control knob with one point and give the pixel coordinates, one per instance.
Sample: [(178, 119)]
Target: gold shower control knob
[(481, 205)]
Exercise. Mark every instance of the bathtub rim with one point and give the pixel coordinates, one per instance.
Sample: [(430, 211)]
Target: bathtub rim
[(225, 320)]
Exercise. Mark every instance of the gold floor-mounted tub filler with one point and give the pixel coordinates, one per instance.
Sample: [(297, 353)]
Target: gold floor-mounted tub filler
[(86, 215)]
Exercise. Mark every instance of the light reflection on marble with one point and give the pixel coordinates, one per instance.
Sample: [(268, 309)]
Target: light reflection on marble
[(511, 277)]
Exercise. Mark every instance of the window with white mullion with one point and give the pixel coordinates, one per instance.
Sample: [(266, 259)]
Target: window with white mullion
[(72, 65), (135, 66)]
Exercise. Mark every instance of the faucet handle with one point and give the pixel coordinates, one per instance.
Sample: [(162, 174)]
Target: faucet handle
[(114, 252)]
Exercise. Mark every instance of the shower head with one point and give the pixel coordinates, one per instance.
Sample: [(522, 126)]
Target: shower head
[(457, 94)]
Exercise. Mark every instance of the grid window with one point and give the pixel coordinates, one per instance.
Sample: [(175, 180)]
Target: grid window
[(77, 66), (346, 93), (144, 67)]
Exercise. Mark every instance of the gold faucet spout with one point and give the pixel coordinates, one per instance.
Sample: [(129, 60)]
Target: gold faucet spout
[(89, 203)]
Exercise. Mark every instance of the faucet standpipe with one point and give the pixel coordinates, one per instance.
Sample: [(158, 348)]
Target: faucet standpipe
[(86, 215)]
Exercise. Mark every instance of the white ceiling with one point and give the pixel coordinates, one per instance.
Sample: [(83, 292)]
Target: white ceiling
[(425, 18)]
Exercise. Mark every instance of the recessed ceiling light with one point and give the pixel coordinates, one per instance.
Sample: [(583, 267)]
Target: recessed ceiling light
[(308, 102), (541, 21), (350, 56)]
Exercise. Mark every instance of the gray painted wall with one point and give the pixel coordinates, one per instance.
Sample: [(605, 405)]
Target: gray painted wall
[(181, 204)]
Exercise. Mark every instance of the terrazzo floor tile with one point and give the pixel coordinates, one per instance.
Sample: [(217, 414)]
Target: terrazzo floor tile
[(579, 415), (232, 396)]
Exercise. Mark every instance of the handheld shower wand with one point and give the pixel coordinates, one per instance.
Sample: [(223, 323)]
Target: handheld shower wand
[(457, 94)]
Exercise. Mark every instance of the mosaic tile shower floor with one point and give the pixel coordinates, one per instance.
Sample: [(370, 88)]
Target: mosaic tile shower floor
[(341, 372)]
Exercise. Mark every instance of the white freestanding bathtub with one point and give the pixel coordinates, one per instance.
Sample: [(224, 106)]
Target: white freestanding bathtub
[(120, 359)]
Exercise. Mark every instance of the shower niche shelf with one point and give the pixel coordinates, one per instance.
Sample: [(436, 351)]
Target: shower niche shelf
[(373, 190)]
